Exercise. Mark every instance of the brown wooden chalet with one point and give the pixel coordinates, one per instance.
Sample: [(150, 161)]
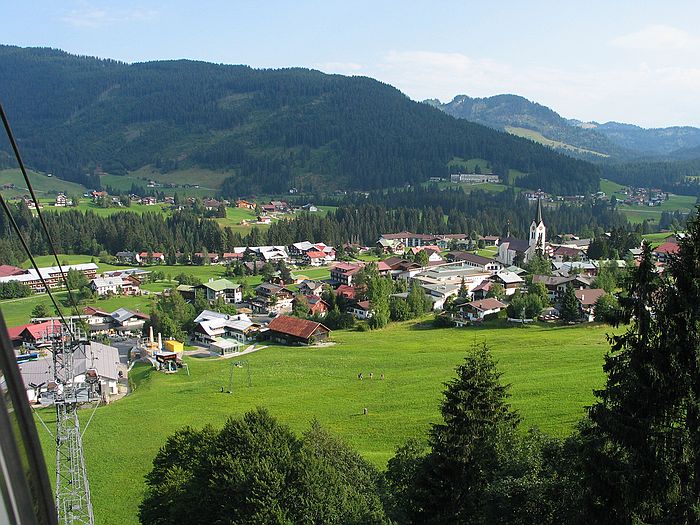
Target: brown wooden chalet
[(294, 331)]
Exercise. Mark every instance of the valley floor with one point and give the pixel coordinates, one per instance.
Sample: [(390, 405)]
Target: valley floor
[(553, 371)]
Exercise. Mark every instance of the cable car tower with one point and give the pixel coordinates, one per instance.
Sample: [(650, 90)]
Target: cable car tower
[(72, 488)]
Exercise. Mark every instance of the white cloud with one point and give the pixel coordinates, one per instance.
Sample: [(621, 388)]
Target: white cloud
[(642, 94), (94, 17), (658, 38)]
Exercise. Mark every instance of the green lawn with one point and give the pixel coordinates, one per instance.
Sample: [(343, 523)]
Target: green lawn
[(552, 371), (233, 219), (87, 205)]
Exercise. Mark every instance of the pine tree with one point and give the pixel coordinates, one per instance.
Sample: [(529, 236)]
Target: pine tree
[(569, 305)]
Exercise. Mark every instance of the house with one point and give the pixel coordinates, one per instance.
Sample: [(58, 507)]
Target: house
[(314, 258), (211, 327), (360, 310), (292, 330), (343, 272), (272, 298), (268, 208), (38, 375), (280, 206), (345, 291), (478, 310), (149, 201), (40, 334), (187, 291), (152, 258), (556, 284), (475, 261), (482, 290), (308, 287), (245, 204), (310, 208), (95, 317), (317, 306), (510, 281), (128, 321), (298, 249), (490, 240), (62, 201), (665, 250), (127, 285), (221, 289), (127, 257), (587, 300), (432, 251), (7, 270)]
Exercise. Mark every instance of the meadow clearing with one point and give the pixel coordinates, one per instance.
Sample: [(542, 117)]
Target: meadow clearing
[(552, 370)]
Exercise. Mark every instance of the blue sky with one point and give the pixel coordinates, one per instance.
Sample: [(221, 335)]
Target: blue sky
[(636, 62)]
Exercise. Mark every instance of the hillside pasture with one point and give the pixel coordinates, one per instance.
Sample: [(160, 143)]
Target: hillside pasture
[(552, 371)]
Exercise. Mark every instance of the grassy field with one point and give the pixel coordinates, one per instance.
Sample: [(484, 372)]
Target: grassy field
[(637, 214), (233, 219), (88, 205), (552, 371), (42, 184), (536, 136)]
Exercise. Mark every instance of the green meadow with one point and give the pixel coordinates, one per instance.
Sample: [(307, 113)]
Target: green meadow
[(552, 371)]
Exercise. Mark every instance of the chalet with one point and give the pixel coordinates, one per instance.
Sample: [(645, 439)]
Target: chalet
[(298, 249), (475, 261), (148, 201), (115, 285), (267, 208), (40, 334), (408, 239), (360, 310), (152, 257), (569, 253), (96, 316), (229, 257), (317, 306), (308, 287), (391, 245), (38, 375), (665, 250), (245, 204), (478, 310), (128, 321), (432, 251), (213, 204), (489, 240), (264, 219), (439, 293), (481, 290), (280, 206), (345, 291), (343, 272), (272, 299), (510, 281), (587, 300), (400, 268), (314, 258), (556, 284), (291, 330), (221, 289), (127, 257), (310, 208), (202, 257), (61, 201)]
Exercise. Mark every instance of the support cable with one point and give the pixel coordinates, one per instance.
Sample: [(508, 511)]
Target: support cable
[(22, 168)]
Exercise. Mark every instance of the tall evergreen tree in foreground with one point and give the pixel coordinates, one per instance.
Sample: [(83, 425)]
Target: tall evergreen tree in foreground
[(641, 443)]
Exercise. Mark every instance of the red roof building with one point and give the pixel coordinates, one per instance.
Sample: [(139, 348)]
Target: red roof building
[(292, 330), (348, 292), (7, 270)]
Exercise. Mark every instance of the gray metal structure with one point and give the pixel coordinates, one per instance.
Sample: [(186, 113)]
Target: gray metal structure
[(73, 502)]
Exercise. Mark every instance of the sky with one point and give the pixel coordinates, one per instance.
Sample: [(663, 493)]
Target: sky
[(634, 61)]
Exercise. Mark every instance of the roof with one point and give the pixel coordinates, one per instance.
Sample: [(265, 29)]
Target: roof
[(294, 326), (6, 270), (362, 305), (220, 285), (551, 280), (518, 245), (490, 303), (91, 310), (47, 328), (509, 277), (383, 267), (589, 297), (313, 254), (122, 314), (668, 248), (346, 290), (400, 235), (15, 331), (472, 258)]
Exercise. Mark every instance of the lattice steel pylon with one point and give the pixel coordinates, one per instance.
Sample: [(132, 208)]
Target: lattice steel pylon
[(72, 488)]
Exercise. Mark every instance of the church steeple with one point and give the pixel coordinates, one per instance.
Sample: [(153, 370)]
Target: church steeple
[(538, 220), (538, 230)]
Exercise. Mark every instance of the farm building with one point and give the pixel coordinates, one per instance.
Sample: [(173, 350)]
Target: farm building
[(292, 330)]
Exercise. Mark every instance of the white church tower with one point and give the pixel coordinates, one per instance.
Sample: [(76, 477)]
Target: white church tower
[(537, 231)]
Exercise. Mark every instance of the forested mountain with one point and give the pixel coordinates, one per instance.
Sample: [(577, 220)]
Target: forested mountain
[(514, 113), (275, 129), (651, 141), (619, 141)]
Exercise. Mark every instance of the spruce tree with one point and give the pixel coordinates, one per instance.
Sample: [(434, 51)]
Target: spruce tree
[(569, 305)]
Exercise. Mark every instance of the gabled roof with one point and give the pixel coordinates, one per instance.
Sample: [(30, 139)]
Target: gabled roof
[(45, 329), (313, 254), (362, 305), (344, 289), (668, 248), (91, 310), (294, 326), (471, 257), (6, 270), (123, 314), (518, 245), (490, 303), (383, 267), (220, 285), (509, 277), (589, 297)]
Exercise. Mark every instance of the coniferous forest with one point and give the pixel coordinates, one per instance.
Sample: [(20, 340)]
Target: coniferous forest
[(273, 129)]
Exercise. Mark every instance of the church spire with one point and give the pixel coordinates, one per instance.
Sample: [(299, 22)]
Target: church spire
[(539, 211)]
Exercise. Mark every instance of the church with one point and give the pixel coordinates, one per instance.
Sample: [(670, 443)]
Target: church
[(513, 251)]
